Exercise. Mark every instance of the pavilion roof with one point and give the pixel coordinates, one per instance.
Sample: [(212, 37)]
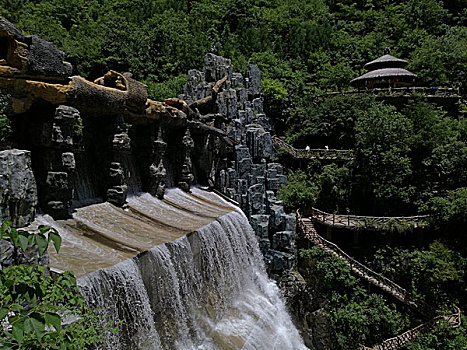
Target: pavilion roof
[(386, 61), (383, 73)]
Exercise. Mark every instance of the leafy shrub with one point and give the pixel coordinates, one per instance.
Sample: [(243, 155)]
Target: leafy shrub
[(38, 311)]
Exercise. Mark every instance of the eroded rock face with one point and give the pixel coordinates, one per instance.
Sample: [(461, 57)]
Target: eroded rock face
[(250, 175), (44, 59), (18, 192), (253, 80), (216, 67), (31, 55)]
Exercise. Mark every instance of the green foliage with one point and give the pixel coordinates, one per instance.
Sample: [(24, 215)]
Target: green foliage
[(334, 188), (5, 127), (441, 60), (24, 239), (299, 192), (404, 158), (38, 311), (365, 321), (330, 122), (453, 207), (444, 337), (382, 156), (435, 275), (170, 88)]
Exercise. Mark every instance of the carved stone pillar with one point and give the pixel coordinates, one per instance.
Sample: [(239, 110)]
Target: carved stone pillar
[(118, 188), (60, 163), (187, 177), (157, 171)]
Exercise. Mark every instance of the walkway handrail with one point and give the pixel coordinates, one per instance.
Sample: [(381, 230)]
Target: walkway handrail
[(367, 222), (386, 284), (400, 340), (313, 153), (428, 91), (365, 272)]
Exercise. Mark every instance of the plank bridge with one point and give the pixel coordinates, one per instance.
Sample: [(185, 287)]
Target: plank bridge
[(373, 223), (385, 284), (314, 153)]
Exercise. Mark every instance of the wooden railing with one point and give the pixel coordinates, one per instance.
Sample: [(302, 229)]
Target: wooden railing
[(306, 226), (398, 223), (402, 91), (314, 153), (363, 271), (399, 341)]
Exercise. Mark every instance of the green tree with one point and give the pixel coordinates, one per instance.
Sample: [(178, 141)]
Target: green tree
[(382, 161)]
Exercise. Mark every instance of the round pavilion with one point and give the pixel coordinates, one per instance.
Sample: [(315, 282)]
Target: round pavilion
[(384, 72)]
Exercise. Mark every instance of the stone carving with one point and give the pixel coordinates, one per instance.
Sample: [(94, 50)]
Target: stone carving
[(58, 162), (187, 177), (30, 56), (157, 171), (117, 193)]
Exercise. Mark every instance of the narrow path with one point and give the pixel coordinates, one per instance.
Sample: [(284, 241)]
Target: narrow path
[(428, 311), (314, 153)]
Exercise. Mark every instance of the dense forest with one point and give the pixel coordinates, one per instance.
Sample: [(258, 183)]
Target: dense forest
[(410, 158)]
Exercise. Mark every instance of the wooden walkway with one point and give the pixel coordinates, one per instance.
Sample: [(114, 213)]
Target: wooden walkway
[(374, 223), (399, 341), (314, 153), (385, 284)]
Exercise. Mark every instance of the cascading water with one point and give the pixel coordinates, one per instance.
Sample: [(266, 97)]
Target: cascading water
[(206, 290)]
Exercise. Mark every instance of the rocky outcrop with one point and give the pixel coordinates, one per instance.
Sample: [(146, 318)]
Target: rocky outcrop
[(250, 176), (18, 193)]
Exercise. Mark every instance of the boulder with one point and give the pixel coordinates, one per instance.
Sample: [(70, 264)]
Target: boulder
[(44, 59)]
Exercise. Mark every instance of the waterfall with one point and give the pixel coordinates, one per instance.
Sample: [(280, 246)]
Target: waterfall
[(205, 290)]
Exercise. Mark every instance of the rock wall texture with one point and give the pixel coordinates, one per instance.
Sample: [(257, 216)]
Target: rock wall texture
[(250, 176), (18, 193), (18, 200)]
